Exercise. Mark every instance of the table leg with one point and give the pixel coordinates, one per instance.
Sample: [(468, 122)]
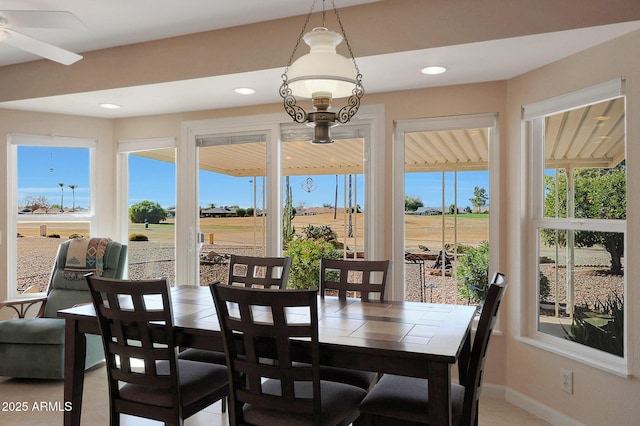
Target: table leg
[(74, 359), (440, 393), (463, 361)]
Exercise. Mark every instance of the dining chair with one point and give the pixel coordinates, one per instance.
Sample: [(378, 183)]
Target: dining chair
[(246, 271), (399, 400), (146, 379), (369, 279), (366, 277), (262, 330)]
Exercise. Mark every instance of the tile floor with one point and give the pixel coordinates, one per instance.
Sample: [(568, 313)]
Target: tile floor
[(43, 400)]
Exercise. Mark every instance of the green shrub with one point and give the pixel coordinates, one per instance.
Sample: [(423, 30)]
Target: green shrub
[(463, 248), (305, 265), (473, 273), (322, 232), (138, 237), (147, 211), (545, 291), (602, 327)]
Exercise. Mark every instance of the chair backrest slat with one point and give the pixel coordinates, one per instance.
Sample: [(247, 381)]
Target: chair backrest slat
[(366, 277), (258, 271)]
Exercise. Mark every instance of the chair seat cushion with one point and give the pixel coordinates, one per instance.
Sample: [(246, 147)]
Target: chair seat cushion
[(338, 402), (203, 355), (406, 398), (358, 378), (196, 379), (33, 331), (361, 379)]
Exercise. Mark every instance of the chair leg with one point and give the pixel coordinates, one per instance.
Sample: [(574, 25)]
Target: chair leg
[(363, 420)]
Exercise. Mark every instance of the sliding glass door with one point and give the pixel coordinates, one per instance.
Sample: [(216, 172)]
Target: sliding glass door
[(232, 200), (149, 182), (446, 204)]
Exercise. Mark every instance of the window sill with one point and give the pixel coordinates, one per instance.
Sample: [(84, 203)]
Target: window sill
[(585, 355)]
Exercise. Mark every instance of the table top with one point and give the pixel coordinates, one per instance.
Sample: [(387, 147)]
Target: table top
[(424, 331)]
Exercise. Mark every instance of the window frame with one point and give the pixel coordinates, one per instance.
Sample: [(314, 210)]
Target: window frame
[(533, 125), (125, 148), (15, 140), (401, 127), (370, 118)]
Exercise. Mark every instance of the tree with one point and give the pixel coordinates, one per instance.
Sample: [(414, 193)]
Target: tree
[(146, 210), (61, 196), (479, 199), (36, 203), (412, 203), (73, 194), (599, 194)]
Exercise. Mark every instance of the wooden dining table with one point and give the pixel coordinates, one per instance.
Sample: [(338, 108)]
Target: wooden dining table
[(405, 338)]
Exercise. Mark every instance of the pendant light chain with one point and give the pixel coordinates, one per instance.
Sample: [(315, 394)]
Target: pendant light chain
[(346, 40), (304, 27)]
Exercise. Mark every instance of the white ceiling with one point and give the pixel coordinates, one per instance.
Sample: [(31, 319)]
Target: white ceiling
[(119, 22)]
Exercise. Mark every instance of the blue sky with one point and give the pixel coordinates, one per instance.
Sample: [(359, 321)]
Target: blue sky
[(40, 169)]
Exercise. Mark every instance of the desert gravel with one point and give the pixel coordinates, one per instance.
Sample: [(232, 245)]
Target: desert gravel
[(155, 259)]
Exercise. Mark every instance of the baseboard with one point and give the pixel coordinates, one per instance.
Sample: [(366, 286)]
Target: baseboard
[(528, 404), (536, 408), (493, 391)]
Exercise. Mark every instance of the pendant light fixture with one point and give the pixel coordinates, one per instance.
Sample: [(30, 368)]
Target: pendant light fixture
[(322, 75)]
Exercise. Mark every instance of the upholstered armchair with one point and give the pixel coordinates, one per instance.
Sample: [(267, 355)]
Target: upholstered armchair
[(34, 347)]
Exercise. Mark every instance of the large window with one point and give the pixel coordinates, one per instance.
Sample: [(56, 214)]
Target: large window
[(148, 197), (232, 199), (233, 171), (51, 200), (579, 221), (324, 199), (447, 197)]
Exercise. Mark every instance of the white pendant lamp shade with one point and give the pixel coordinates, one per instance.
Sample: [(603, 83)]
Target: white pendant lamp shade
[(322, 71), (322, 75)]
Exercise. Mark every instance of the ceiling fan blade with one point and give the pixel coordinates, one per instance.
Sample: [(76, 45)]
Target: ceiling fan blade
[(39, 19), (40, 48)]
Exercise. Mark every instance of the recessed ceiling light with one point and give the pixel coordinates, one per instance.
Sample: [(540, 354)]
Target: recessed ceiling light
[(110, 106), (245, 91), (433, 70)]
